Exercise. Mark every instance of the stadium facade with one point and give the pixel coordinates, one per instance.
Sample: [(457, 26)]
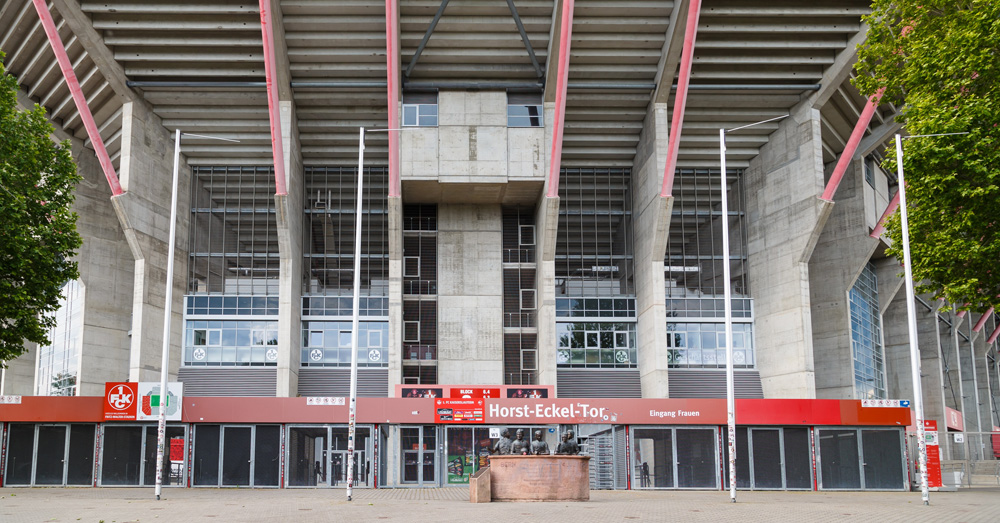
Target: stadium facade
[(542, 216)]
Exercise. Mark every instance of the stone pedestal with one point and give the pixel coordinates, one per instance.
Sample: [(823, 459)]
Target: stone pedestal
[(540, 478), (479, 486)]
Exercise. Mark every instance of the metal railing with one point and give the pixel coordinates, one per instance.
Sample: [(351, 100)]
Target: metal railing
[(968, 459)]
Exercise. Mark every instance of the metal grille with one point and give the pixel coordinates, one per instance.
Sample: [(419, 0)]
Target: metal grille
[(209, 381), (711, 383), (330, 203), (420, 294), (234, 233), (594, 244), (372, 383), (596, 383)]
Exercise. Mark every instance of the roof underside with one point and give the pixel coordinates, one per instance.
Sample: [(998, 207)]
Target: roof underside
[(761, 56)]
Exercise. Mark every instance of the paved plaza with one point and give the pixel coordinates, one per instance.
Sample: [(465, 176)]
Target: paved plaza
[(122, 505)]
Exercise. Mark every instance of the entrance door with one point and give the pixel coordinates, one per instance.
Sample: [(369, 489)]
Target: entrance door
[(53, 455), (236, 452), (419, 452), (766, 456), (468, 451), (173, 457)]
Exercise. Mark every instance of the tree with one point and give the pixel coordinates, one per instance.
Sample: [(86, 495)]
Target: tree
[(941, 60), (37, 227)]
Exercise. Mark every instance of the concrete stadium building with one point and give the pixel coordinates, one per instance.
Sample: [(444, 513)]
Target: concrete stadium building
[(542, 212)]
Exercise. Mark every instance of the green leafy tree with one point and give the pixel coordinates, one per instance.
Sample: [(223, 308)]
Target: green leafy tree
[(941, 60), (37, 228)]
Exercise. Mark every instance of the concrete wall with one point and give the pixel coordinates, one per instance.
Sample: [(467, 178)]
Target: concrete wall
[(651, 225), (288, 208), (144, 213), (785, 218), (470, 294), (842, 251)]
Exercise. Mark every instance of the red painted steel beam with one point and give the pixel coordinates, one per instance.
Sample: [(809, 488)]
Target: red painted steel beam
[(392, 77), (78, 98), (880, 226), (273, 106), (680, 97), (982, 321), (852, 145), (993, 337), (562, 81)]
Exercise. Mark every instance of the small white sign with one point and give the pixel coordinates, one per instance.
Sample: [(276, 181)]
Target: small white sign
[(959, 437), (10, 400), (931, 437), (494, 432), (886, 403), (326, 400)]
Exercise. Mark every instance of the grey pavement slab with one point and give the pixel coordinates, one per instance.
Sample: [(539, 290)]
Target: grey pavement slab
[(121, 505)]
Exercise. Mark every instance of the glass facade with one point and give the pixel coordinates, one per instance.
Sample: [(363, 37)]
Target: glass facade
[(58, 366), (694, 272), (866, 337), (328, 344), (231, 343), (596, 344)]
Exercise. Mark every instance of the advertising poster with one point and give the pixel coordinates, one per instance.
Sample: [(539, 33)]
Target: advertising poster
[(468, 451)]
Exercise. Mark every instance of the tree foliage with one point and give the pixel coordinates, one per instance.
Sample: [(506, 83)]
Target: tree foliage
[(940, 59), (37, 227)]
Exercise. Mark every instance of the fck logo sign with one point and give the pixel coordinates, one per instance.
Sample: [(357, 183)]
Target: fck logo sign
[(119, 401)]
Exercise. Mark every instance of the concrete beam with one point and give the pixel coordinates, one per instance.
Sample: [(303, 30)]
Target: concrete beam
[(840, 70), (93, 44), (670, 54)]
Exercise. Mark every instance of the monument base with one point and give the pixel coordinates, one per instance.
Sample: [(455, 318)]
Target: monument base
[(540, 478)]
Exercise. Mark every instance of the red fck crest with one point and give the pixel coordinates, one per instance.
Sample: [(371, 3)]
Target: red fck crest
[(120, 397)]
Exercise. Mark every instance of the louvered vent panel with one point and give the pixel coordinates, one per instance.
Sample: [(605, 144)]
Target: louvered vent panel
[(598, 383), (711, 383), (372, 383), (221, 381)]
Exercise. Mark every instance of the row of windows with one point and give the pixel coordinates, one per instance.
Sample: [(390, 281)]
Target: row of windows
[(422, 111)]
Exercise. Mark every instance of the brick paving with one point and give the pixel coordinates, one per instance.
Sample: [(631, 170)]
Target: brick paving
[(126, 505)]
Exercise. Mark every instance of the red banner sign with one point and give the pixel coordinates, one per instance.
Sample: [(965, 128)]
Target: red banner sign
[(448, 410), (472, 392), (120, 401), (933, 454)]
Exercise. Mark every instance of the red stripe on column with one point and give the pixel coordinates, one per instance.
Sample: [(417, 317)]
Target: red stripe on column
[(982, 321), (81, 102), (566, 28), (852, 145), (392, 77), (680, 97), (891, 208), (273, 106)]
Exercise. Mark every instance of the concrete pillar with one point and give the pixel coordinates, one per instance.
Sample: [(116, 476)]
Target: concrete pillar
[(470, 294), (395, 294), (841, 253), (546, 227), (899, 377), (144, 214), (785, 218), (288, 208), (651, 224)]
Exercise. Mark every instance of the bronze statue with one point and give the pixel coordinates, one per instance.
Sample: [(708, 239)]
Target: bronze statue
[(519, 446), (539, 447), (502, 445), (568, 446)]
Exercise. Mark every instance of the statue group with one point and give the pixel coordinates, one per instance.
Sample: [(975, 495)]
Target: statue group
[(536, 447)]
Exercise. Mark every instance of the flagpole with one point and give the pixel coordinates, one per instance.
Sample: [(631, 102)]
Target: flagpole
[(354, 320)]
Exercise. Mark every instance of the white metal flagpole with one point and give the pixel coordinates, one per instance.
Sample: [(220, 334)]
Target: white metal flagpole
[(727, 293), (161, 428), (354, 319), (911, 317)]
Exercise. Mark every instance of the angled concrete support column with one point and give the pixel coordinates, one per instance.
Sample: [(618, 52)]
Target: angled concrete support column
[(651, 225), (144, 215), (289, 214), (785, 220), (843, 250), (546, 225)]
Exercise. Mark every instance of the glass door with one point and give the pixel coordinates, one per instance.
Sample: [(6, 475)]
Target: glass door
[(308, 457), (419, 452), (468, 451)]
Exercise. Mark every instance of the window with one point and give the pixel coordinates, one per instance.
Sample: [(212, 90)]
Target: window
[(525, 110), (411, 266), (527, 235), (420, 109), (230, 343), (58, 364), (703, 345), (866, 337), (411, 331), (596, 345), (528, 299), (328, 343)]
